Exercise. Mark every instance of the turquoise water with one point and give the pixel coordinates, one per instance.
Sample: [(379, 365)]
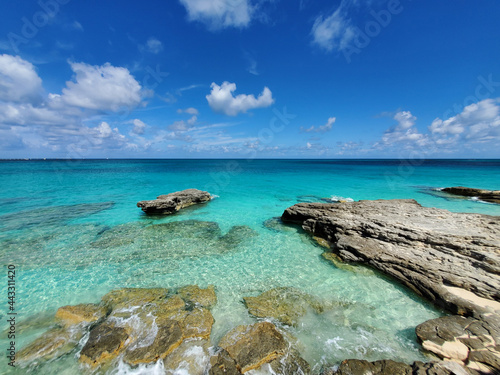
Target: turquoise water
[(74, 232)]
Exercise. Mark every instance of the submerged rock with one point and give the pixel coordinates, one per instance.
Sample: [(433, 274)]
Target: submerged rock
[(492, 196), (133, 297), (193, 294), (286, 305), (439, 254), (52, 344), (191, 357), (173, 202), (250, 347), (84, 313)]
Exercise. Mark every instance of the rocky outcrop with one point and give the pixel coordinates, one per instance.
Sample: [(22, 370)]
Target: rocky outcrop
[(246, 348), (492, 196), (452, 259), (138, 326), (286, 305), (470, 341), (173, 202), (388, 367)]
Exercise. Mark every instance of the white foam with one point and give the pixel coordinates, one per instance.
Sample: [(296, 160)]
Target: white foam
[(155, 369), (336, 198)]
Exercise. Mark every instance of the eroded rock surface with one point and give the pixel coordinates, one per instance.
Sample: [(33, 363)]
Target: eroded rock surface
[(437, 253), (388, 367), (286, 305), (80, 314), (453, 259), (173, 202), (492, 196), (246, 348), (470, 341)]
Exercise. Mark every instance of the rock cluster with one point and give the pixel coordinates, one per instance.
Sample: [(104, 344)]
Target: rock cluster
[(145, 326), (173, 202), (492, 196), (450, 258)]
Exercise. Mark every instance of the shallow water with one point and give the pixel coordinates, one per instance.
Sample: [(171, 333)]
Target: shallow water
[(74, 233)]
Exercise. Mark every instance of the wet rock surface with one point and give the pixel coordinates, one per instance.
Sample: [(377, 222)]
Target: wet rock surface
[(452, 259), (388, 367), (492, 196), (173, 202), (286, 305), (137, 326), (246, 348)]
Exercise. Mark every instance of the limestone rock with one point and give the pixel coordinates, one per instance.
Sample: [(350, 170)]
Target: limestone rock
[(52, 344), (223, 364), (168, 337), (284, 304), (133, 297), (252, 346), (173, 202), (105, 343), (84, 313), (198, 323), (388, 367), (191, 357), (492, 196), (195, 295), (450, 258), (468, 341)]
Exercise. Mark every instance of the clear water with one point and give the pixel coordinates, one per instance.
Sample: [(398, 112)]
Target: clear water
[(74, 232)]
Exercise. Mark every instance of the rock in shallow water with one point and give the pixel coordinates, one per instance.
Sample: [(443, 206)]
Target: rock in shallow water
[(388, 367), (427, 249), (286, 305), (246, 348), (173, 202), (492, 196)]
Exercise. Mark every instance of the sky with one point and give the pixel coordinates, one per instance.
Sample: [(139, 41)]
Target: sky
[(249, 79)]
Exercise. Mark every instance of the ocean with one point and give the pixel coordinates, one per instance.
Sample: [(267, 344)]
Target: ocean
[(73, 232)]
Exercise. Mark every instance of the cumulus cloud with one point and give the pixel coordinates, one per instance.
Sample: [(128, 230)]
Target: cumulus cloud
[(405, 132), (478, 123), (218, 14), (334, 32), (154, 45), (221, 99), (320, 129), (19, 81), (139, 127), (101, 88)]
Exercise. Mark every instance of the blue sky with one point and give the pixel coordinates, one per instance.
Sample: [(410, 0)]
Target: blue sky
[(249, 78)]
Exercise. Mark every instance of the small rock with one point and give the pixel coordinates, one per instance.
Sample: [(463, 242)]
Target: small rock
[(173, 202), (252, 346), (133, 297), (105, 343), (195, 295), (223, 364), (284, 304), (198, 323), (168, 338), (191, 357), (492, 196)]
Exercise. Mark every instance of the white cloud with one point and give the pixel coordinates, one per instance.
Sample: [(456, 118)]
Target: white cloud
[(221, 99), (139, 127), (405, 132), (218, 14), (478, 122), (190, 111), (19, 81), (320, 129), (153, 45), (334, 32), (101, 88)]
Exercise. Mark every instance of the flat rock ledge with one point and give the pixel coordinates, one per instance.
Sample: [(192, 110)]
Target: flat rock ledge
[(452, 259), (491, 196), (173, 202)]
